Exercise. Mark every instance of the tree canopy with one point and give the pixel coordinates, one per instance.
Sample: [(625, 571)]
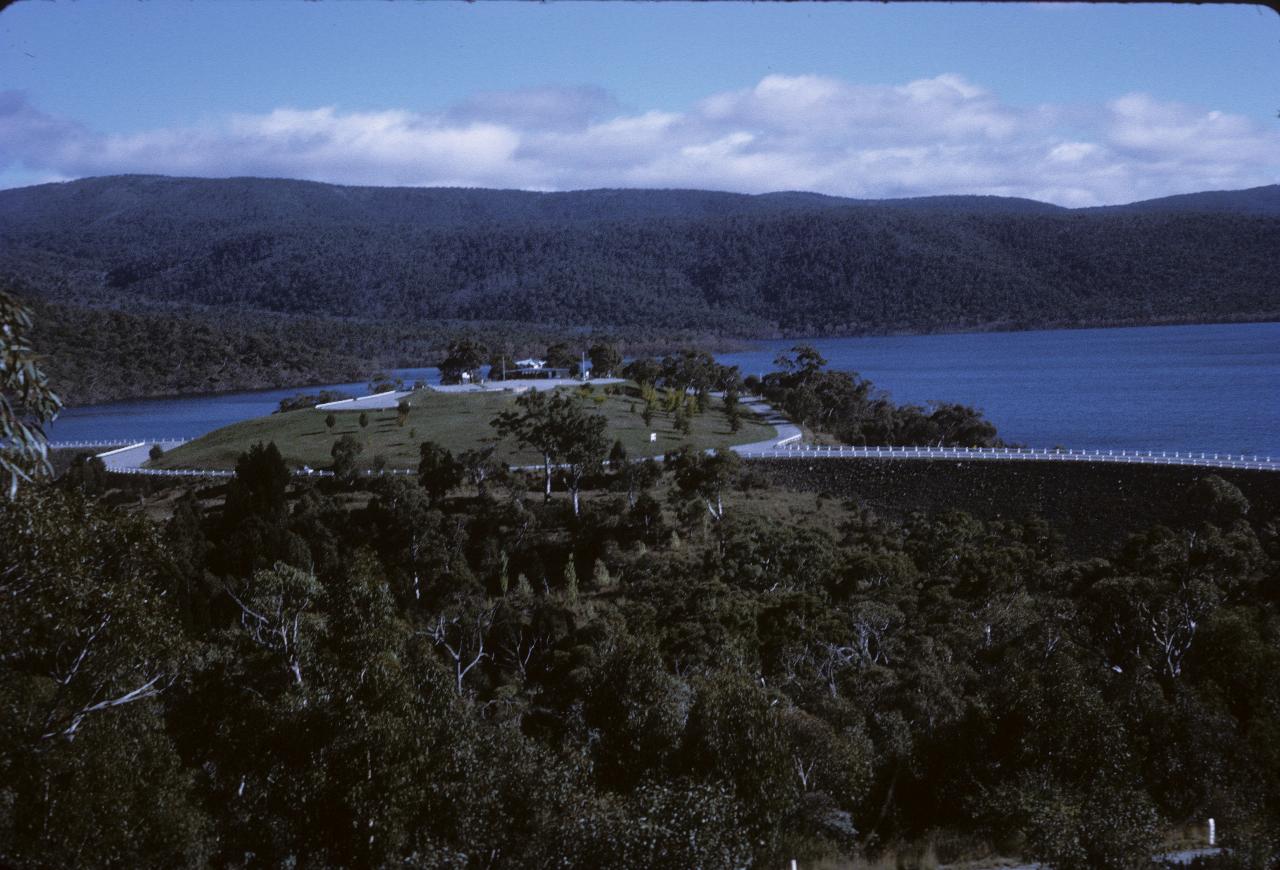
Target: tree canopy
[(27, 401), (698, 667)]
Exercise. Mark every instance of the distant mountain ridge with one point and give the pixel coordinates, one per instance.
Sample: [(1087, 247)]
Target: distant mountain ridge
[(787, 262), (122, 196), (264, 199), (1254, 200)]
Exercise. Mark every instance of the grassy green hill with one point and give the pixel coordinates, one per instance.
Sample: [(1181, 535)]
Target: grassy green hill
[(458, 421)]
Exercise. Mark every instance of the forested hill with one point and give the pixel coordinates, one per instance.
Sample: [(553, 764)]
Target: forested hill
[(144, 199), (1255, 200), (791, 262), (788, 262)]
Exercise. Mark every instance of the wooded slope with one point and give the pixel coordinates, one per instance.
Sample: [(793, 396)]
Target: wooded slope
[(788, 262)]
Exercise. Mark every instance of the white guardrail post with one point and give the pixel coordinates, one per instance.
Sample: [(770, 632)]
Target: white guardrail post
[(789, 448), (1122, 456)]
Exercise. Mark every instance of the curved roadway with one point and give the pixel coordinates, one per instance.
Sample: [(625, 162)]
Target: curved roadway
[(785, 431)]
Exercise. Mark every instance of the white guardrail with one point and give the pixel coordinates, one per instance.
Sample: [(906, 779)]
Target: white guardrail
[(788, 449), (113, 442), (212, 472), (1039, 454)]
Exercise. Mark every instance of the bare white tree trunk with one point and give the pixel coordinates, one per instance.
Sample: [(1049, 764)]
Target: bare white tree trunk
[(463, 636)]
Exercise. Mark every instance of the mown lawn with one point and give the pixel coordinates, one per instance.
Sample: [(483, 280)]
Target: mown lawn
[(458, 421)]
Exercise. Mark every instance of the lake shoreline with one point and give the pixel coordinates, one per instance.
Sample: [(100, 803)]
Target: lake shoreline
[(733, 344), (1193, 387)]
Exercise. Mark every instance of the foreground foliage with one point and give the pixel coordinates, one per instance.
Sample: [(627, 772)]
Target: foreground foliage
[(289, 675), (27, 402)]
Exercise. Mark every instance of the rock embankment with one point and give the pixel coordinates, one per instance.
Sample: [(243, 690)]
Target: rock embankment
[(1092, 506)]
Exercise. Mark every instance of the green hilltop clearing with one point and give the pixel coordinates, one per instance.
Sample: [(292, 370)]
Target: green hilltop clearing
[(456, 421)]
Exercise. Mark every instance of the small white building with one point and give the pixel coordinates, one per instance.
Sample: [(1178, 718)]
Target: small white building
[(530, 363)]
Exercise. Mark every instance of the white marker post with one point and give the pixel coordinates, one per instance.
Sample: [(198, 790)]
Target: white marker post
[(1213, 833)]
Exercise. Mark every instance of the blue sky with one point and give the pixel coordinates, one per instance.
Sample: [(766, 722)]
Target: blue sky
[(1078, 104)]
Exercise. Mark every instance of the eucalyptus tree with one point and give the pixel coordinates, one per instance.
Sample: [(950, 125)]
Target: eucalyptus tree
[(693, 371), (253, 529), (87, 473), (531, 425), (733, 409), (479, 466), (559, 428), (605, 359), (409, 535), (27, 401), (644, 371), (639, 477), (381, 382), (464, 357), (438, 471), (278, 612), (582, 446), (617, 456), (259, 485), (464, 637), (735, 735), (705, 476), (561, 356), (90, 644), (803, 362), (638, 708), (92, 615), (345, 452), (387, 723)]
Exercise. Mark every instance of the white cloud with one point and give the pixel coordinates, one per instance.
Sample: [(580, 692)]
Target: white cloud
[(1147, 127), (537, 108), (931, 136), (1074, 153)]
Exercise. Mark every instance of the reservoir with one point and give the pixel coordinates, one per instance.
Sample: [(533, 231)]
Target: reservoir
[(1213, 388)]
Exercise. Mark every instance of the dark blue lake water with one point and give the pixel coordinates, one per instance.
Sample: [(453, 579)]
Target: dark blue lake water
[(1212, 388), (190, 416)]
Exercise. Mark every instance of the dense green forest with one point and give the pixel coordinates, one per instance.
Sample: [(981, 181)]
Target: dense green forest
[(100, 354), (832, 270), (358, 265), (365, 674), (697, 663)]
